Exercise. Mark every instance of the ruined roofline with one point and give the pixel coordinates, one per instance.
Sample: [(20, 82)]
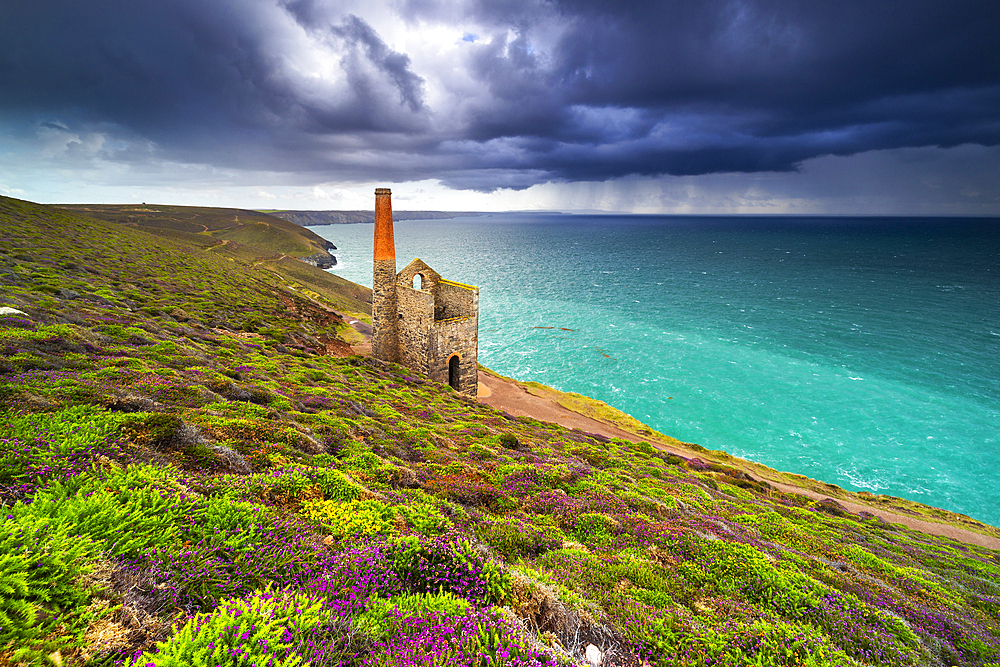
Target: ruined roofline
[(462, 285), (416, 266)]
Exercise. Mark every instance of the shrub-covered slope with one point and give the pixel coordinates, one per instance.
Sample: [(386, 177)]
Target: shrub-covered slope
[(191, 475), (249, 231)]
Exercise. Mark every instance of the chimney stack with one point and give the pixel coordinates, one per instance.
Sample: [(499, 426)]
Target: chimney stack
[(385, 246), (385, 336)]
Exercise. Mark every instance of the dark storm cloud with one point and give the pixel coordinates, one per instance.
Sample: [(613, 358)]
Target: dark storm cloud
[(792, 80), (395, 65), (206, 81), (566, 89), (320, 17), (161, 68)]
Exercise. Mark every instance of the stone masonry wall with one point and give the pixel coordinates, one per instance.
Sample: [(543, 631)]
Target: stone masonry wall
[(416, 319), (455, 300), (385, 339), (437, 321), (455, 337)]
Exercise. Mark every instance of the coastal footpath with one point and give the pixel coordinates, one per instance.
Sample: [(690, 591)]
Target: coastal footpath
[(199, 466)]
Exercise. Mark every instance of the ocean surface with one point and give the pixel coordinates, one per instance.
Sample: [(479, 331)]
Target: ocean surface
[(863, 352)]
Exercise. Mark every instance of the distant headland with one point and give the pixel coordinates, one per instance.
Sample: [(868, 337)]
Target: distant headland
[(319, 218)]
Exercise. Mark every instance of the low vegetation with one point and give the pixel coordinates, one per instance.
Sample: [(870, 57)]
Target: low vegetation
[(196, 471)]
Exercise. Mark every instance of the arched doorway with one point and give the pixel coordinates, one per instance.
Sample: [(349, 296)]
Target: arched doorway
[(453, 371)]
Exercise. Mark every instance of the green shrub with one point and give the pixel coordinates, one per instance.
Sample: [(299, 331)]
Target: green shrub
[(66, 431), (127, 521), (777, 586), (369, 466), (262, 630), (775, 527), (237, 525), (594, 529), (118, 479), (153, 429), (597, 456), (337, 485), (384, 617), (515, 538), (42, 604), (424, 518), (659, 599), (448, 564), (290, 484), (481, 452), (658, 632), (353, 518)]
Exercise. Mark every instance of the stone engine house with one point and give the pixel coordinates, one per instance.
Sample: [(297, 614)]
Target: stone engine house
[(420, 319)]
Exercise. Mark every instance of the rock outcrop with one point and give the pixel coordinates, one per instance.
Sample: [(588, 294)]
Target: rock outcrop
[(322, 260)]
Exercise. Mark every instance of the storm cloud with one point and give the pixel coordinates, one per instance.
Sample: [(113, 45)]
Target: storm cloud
[(485, 94)]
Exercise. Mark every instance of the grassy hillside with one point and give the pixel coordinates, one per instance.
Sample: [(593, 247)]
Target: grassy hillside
[(191, 475), (264, 236)]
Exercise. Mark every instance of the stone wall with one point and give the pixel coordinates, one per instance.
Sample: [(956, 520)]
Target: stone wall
[(457, 336), (429, 277), (455, 300), (416, 319), (385, 339), (436, 322)]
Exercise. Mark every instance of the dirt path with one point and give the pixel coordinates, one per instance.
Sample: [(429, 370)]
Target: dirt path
[(507, 395), (929, 527), (512, 398)]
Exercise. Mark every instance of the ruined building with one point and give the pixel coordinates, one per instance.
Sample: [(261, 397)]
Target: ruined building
[(421, 320)]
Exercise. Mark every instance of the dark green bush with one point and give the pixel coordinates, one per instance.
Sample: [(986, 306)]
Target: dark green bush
[(154, 429), (41, 565), (264, 629)]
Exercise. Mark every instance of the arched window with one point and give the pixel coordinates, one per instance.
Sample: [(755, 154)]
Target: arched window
[(454, 371), (418, 281)]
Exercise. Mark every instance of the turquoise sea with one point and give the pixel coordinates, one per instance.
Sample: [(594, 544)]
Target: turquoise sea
[(864, 352)]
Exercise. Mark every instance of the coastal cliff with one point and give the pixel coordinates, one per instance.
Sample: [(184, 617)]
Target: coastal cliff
[(199, 468), (324, 259), (251, 231)]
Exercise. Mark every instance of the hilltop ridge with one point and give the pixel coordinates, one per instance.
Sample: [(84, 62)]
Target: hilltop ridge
[(320, 218), (214, 228), (197, 469)]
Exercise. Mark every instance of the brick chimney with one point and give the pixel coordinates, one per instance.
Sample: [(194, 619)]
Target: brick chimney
[(385, 336)]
